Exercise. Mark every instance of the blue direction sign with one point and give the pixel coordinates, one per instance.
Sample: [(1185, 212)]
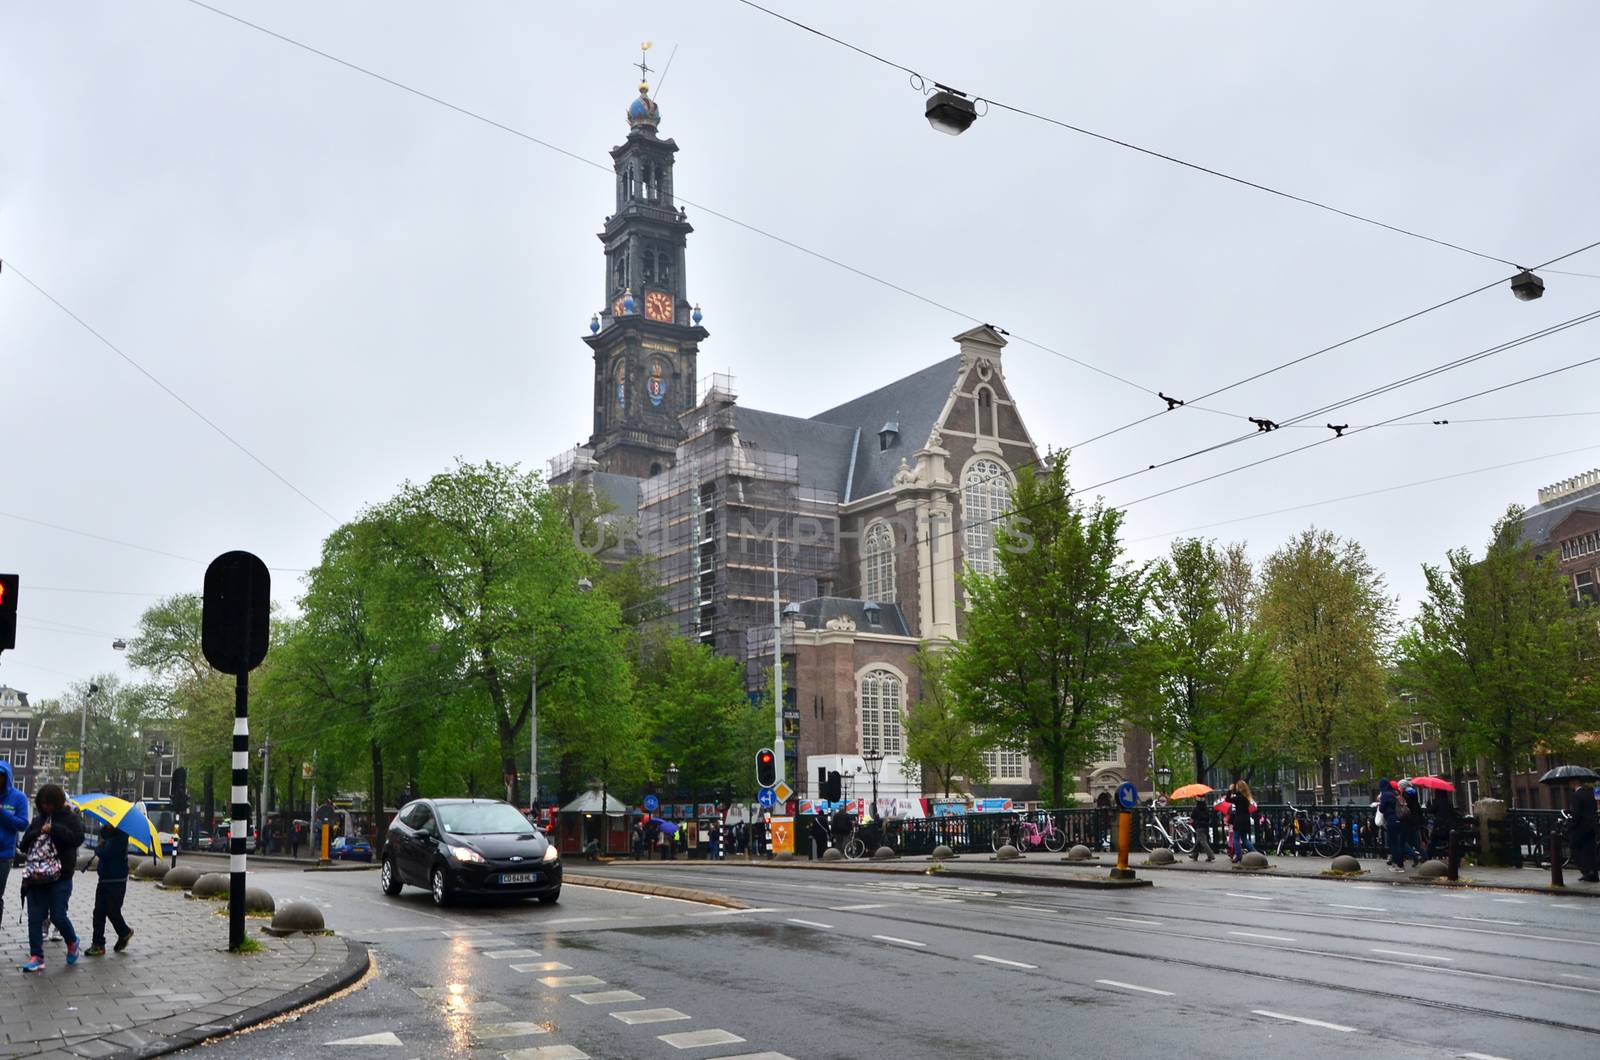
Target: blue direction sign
[(651, 803), (767, 798), (1127, 795)]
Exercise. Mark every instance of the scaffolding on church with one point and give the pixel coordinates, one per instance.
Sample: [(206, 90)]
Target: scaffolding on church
[(711, 520)]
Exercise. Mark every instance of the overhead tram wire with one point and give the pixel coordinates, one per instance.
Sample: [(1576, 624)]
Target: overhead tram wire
[(1377, 391), (1150, 152), (10, 266), (1324, 441), (736, 222), (1365, 493)]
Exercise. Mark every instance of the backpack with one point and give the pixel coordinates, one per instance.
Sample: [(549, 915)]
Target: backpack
[(1402, 810), (43, 864)]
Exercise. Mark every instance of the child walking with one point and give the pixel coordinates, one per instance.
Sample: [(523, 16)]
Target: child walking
[(112, 855)]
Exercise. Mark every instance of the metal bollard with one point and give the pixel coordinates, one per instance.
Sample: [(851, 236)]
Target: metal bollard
[(1453, 858), (1556, 879)]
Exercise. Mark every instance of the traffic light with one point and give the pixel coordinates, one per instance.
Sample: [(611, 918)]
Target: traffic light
[(180, 789), (766, 768), (9, 586), (833, 786)]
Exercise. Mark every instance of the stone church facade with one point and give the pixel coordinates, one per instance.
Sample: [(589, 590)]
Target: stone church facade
[(875, 505)]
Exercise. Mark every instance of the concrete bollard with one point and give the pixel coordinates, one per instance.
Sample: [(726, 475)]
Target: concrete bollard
[(146, 869), (1160, 856), (833, 854), (211, 885), (1254, 860), (942, 853), (257, 900), (1346, 864), (296, 916), (884, 854), (1431, 870), (1007, 853), (1080, 853), (180, 879)]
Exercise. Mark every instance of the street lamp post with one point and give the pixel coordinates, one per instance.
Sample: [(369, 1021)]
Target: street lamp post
[(1163, 777), (83, 732), (584, 585), (873, 759)]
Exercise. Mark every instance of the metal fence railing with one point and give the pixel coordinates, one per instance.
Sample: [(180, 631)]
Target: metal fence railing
[(1095, 828)]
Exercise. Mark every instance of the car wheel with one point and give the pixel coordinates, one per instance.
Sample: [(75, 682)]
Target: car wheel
[(441, 886), (391, 878), (552, 898)]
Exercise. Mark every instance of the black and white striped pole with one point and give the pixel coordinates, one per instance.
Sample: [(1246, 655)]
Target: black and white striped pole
[(233, 637)]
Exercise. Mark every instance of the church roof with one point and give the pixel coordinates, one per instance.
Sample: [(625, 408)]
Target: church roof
[(1541, 519), (817, 612), (823, 449), (913, 404)]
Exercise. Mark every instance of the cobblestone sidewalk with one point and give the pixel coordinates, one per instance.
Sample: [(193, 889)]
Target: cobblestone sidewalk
[(175, 984)]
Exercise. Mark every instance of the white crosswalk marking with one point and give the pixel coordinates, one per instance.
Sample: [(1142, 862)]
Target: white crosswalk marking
[(508, 1030), (571, 980), (381, 1038), (650, 1015), (699, 1039), (542, 966), (548, 1052), (607, 997), (501, 955)]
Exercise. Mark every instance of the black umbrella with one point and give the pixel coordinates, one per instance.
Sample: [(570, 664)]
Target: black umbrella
[(1561, 773)]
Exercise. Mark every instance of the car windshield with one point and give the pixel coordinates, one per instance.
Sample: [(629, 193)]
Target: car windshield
[(483, 818)]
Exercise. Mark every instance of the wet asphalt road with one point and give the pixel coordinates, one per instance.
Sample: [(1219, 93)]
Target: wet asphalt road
[(833, 966)]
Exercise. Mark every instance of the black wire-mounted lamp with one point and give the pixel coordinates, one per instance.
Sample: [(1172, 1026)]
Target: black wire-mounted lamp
[(1526, 286), (1164, 777), (873, 760), (951, 112)]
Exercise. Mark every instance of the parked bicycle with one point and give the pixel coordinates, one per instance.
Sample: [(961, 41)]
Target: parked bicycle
[(1164, 828), (1026, 835), (1305, 835)]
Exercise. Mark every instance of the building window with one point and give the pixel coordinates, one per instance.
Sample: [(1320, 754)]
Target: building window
[(22, 730), (166, 767), (985, 496), (5, 754), (1006, 764), (19, 757), (877, 564), (986, 420), (882, 704), (5, 730), (1583, 582)]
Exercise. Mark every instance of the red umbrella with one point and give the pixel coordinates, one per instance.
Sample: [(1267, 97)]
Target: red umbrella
[(1436, 783)]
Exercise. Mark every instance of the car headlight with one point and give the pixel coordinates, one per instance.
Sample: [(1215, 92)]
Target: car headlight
[(464, 854), (551, 854)]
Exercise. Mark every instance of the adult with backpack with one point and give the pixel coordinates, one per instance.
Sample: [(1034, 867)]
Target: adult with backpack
[(13, 821), (1388, 817), (50, 847), (111, 854)]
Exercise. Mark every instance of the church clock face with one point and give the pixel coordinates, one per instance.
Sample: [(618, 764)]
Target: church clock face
[(658, 306), (617, 308)]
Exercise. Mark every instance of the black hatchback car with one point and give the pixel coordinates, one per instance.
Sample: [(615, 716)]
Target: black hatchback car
[(457, 847)]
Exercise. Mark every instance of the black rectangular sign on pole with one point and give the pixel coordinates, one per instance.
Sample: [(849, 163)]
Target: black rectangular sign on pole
[(233, 637)]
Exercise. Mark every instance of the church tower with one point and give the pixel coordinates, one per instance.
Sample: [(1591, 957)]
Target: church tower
[(647, 338)]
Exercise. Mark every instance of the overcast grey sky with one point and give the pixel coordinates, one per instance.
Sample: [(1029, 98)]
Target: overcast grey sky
[(360, 285)]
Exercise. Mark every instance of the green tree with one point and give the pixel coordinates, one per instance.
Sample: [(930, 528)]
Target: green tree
[(1046, 637), (1208, 674), (1502, 659), (1328, 617), (697, 714), (477, 578), (940, 739), (112, 729)]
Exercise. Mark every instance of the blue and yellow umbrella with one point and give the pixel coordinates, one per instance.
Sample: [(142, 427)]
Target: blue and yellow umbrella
[(124, 816)]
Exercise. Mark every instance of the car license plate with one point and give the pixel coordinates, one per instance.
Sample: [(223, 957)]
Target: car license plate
[(519, 877)]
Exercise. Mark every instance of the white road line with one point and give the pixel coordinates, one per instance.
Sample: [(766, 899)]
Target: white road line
[(1363, 908), (585, 919), (739, 912), (1002, 960), (1252, 897), (1253, 935), (810, 923), (1029, 909), (855, 908), (1564, 905), (1486, 920), (901, 942), (1511, 901), (1418, 956), (1480, 1056), (1302, 1019), (1135, 920), (1569, 975), (1130, 986)]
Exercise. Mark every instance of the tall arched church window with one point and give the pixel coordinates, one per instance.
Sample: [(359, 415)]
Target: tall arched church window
[(633, 183), (877, 564), (883, 699), (619, 271), (649, 266), (985, 496), (664, 267)]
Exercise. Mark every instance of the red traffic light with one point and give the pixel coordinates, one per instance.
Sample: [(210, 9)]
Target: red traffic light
[(766, 768), (9, 584), (766, 758)]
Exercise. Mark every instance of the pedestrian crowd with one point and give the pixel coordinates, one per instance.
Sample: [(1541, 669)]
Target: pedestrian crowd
[(46, 847)]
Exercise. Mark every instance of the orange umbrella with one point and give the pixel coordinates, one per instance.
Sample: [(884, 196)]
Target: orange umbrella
[(1192, 791)]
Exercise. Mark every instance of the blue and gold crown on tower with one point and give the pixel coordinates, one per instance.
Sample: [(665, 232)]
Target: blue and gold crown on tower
[(643, 112)]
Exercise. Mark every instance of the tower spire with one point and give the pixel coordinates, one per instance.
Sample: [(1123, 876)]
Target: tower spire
[(644, 69)]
